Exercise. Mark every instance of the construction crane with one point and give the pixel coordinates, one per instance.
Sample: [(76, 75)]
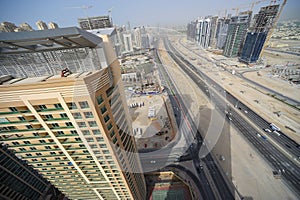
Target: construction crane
[(109, 14), (270, 32)]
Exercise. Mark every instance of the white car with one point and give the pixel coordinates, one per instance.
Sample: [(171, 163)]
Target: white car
[(152, 161), (267, 130)]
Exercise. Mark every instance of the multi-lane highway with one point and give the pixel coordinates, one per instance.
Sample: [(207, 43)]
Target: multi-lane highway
[(286, 143), (279, 161)]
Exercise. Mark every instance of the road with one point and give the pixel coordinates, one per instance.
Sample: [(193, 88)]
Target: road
[(286, 143), (278, 160)]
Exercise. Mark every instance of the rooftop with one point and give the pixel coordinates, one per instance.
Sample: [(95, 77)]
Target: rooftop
[(50, 39)]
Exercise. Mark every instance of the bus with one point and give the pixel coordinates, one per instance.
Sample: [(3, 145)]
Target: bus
[(274, 127)]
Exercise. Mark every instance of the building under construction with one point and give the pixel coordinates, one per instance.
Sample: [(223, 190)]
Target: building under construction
[(91, 23), (263, 22)]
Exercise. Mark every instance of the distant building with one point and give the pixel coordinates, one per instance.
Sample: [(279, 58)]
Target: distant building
[(26, 27), (236, 33), (222, 32), (203, 30), (263, 22), (21, 181), (91, 23), (41, 25), (7, 27), (213, 32), (191, 31), (127, 43), (137, 37), (52, 25)]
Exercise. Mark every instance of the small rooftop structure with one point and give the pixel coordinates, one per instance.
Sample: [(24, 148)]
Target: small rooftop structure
[(51, 39)]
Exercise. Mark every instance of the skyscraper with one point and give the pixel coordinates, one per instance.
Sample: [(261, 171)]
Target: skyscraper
[(91, 23), (26, 27), (128, 42), (263, 22), (64, 112), (7, 27), (41, 25), (213, 32), (236, 33), (222, 32), (203, 30), (18, 180)]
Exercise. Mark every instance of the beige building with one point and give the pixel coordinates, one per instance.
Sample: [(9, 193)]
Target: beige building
[(52, 25), (41, 25), (69, 124)]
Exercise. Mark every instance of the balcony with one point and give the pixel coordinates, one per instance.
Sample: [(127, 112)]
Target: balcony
[(19, 122), (24, 130), (15, 112)]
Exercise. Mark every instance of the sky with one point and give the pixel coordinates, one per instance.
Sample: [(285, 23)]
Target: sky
[(137, 12)]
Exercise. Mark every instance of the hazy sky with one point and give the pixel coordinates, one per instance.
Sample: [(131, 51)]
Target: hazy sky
[(138, 12)]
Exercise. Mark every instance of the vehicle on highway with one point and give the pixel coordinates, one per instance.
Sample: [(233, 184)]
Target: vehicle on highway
[(264, 137), (267, 130), (276, 133), (274, 127), (152, 161)]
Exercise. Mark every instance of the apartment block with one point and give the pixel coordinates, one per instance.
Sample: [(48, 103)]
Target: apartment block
[(236, 34), (62, 109)]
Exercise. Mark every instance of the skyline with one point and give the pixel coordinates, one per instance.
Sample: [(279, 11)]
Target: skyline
[(66, 13)]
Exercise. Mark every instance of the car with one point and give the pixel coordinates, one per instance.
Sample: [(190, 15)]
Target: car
[(152, 161), (267, 130), (246, 111)]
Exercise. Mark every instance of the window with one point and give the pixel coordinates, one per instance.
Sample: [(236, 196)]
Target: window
[(77, 139), (32, 148), (47, 147), (112, 134), (103, 109), (81, 124), (38, 154), (42, 141), (84, 104), (73, 132), (55, 125), (21, 118), (63, 115), (115, 140), (15, 143), (13, 109), (105, 152), (86, 132), (109, 91), (88, 114), (77, 116), (89, 140), (92, 123), (96, 132), (106, 118), (36, 134), (60, 133), (52, 153), (42, 107), (57, 106), (48, 116), (29, 127), (103, 146), (22, 149), (26, 142), (109, 126), (69, 124), (43, 159), (100, 139), (99, 99), (28, 154)]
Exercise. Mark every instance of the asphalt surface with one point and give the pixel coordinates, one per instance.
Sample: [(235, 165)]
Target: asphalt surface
[(286, 143), (278, 160)]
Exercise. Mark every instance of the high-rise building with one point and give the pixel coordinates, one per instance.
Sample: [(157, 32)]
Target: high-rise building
[(203, 30), (127, 43), (64, 112), (222, 32), (91, 23), (52, 25), (263, 22), (7, 27), (26, 27), (137, 37), (191, 31), (18, 180), (213, 32), (41, 25), (236, 33)]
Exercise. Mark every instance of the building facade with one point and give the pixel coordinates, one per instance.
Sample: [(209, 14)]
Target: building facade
[(7, 27), (52, 25), (203, 30), (236, 33), (222, 32), (71, 124), (128, 46), (28, 184)]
